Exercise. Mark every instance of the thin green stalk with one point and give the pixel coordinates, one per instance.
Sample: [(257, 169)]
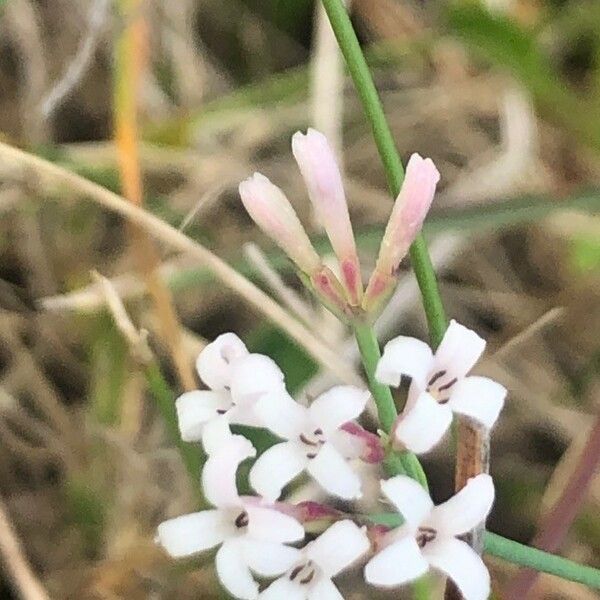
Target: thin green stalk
[(365, 87), (395, 462), (370, 354), (539, 560), (164, 398)]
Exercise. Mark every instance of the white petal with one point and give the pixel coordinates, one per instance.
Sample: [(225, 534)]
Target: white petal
[(480, 398), (283, 588), (409, 498), (459, 351), (280, 413), (214, 362), (195, 408), (337, 406), (338, 547), (421, 427), (459, 562), (193, 533), (270, 525), (275, 468), (233, 571), (396, 564), (218, 476), (404, 356), (466, 509), (216, 434), (244, 415), (347, 444), (324, 589), (252, 376), (334, 474), (269, 559)]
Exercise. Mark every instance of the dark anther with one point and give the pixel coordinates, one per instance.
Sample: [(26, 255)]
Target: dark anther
[(436, 377), (295, 572), (311, 455), (447, 385), (308, 578), (306, 441), (425, 535), (242, 520), (318, 431), (221, 411)]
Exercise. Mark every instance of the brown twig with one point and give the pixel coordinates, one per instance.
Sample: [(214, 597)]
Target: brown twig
[(556, 523)]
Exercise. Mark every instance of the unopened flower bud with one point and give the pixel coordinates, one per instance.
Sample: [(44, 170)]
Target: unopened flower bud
[(321, 174), (272, 212), (409, 212), (330, 291)]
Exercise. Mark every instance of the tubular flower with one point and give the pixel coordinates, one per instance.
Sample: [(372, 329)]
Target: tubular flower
[(310, 576), (409, 212), (315, 442), (272, 212), (428, 537), (323, 179), (251, 536), (237, 379), (440, 386)]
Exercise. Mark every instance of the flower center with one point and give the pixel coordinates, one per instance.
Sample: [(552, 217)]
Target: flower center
[(312, 441), (303, 574), (242, 520), (439, 386), (425, 535)]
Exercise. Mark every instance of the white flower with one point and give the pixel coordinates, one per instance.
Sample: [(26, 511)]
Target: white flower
[(236, 380), (317, 563), (428, 536), (440, 386), (252, 536), (315, 442)]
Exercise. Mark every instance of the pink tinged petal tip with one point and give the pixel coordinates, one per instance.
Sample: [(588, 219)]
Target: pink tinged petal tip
[(272, 212), (323, 179), (331, 293), (409, 212), (372, 450)]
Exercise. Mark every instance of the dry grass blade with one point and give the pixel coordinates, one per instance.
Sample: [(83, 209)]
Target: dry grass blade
[(16, 563), (46, 172)]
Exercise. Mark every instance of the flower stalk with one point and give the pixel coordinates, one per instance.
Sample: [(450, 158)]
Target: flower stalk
[(395, 462)]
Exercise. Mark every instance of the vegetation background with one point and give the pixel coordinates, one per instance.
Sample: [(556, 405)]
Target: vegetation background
[(503, 95)]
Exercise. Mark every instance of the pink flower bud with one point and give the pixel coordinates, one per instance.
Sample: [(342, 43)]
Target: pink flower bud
[(324, 182), (272, 212), (372, 449), (309, 511), (409, 212)]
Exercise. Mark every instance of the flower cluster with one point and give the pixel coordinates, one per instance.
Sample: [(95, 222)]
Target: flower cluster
[(342, 293), (262, 535), (259, 535)]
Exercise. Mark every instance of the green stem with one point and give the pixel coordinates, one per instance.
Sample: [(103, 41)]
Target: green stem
[(539, 560), (395, 462), (164, 398), (370, 354), (365, 87)]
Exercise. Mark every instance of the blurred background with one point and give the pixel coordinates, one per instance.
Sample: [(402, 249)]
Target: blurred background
[(504, 95)]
